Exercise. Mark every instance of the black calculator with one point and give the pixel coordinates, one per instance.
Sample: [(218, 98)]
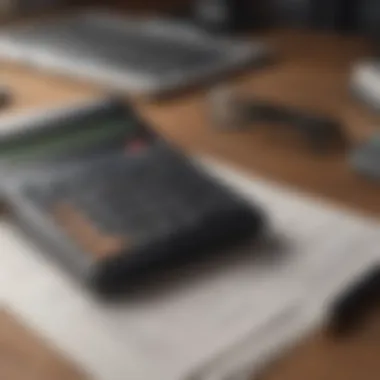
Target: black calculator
[(113, 201)]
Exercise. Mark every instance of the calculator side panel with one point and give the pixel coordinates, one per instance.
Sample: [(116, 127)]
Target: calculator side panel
[(41, 231)]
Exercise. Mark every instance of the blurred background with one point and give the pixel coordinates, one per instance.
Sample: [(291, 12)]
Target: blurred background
[(344, 15)]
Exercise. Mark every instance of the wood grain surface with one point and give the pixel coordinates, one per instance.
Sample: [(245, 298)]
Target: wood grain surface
[(24, 356), (323, 357), (311, 71)]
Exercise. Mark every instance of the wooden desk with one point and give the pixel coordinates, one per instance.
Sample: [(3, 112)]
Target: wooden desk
[(24, 356), (312, 72)]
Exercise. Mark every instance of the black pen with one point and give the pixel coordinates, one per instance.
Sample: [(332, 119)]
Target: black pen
[(356, 302), (5, 97)]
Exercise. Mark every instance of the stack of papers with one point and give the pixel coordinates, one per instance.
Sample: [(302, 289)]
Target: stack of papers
[(213, 320)]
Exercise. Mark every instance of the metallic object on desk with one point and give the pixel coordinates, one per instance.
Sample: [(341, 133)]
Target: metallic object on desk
[(229, 111), (330, 14)]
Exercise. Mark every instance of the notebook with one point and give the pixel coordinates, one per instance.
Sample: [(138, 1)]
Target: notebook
[(214, 320), (144, 56)]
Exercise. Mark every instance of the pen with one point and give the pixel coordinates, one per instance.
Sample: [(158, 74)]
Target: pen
[(5, 97), (349, 309)]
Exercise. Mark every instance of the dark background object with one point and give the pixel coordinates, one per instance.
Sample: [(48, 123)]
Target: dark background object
[(349, 20), (369, 18), (339, 15), (294, 13), (136, 5), (325, 14), (229, 15), (333, 15)]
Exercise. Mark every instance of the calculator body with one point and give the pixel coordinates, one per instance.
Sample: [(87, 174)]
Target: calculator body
[(112, 201)]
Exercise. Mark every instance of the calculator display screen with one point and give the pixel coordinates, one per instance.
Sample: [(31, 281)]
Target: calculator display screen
[(76, 136)]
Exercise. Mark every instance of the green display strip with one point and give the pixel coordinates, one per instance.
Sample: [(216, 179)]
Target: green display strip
[(82, 137)]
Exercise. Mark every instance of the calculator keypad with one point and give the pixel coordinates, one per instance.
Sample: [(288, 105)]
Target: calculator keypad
[(126, 200)]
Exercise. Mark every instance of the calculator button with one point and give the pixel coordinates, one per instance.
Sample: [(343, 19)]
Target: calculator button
[(136, 146)]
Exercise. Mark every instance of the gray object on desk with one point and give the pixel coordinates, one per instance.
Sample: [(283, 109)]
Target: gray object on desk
[(365, 85), (366, 159), (365, 82), (139, 56)]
